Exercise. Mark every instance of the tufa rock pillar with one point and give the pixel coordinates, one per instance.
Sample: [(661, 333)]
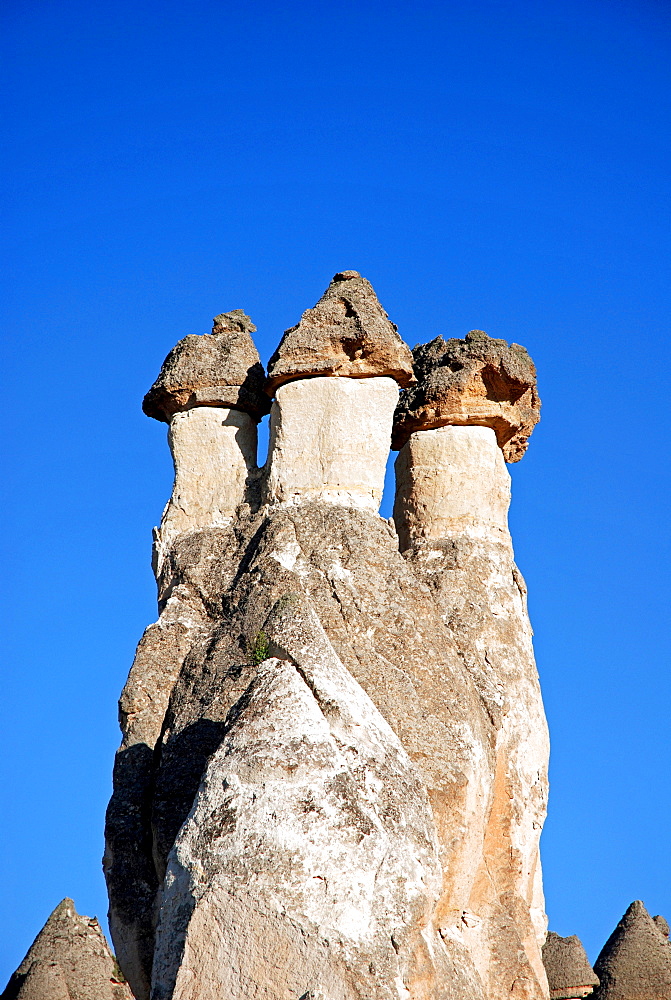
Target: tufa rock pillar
[(570, 976), (68, 960), (635, 962), (335, 378), (210, 392), (473, 408), (328, 781)]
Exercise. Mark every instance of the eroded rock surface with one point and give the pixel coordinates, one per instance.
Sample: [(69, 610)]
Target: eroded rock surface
[(453, 491), (221, 368), (330, 440), (568, 970), (478, 380), (635, 962), (346, 333), (332, 778), (214, 454), (68, 960)]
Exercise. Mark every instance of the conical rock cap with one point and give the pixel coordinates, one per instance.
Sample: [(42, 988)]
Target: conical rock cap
[(567, 966), (348, 333), (221, 368), (478, 380), (70, 953), (635, 962)]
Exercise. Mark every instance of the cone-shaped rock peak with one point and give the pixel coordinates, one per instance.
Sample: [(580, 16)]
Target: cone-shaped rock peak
[(568, 970), (635, 962), (68, 960), (347, 333), (480, 381), (221, 368)]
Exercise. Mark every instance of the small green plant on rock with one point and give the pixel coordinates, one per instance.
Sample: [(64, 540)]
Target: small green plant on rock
[(260, 648)]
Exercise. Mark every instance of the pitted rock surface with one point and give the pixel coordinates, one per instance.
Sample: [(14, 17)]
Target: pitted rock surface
[(68, 960), (346, 333), (221, 368), (569, 973), (478, 380), (635, 962)]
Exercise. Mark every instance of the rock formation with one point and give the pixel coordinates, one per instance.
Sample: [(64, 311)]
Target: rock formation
[(451, 508), (333, 772), (477, 381), (569, 973), (348, 333), (635, 962), (210, 392), (68, 960)]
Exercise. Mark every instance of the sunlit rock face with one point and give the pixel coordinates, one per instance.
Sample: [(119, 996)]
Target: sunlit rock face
[(332, 776), (451, 480), (214, 453), (452, 499), (330, 439)]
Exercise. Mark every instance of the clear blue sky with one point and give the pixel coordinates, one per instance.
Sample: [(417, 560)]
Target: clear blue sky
[(502, 166)]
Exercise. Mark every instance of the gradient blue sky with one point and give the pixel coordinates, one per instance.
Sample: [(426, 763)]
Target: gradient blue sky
[(502, 166)]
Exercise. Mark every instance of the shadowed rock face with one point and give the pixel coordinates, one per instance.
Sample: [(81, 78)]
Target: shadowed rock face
[(569, 973), (332, 778), (347, 333), (68, 960), (475, 381), (217, 369), (635, 962)]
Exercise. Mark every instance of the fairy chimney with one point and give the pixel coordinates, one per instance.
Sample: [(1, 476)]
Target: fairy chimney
[(68, 960), (569, 973), (472, 408), (210, 392), (333, 770), (635, 962), (335, 377)]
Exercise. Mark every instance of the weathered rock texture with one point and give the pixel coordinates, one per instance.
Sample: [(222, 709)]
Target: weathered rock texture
[(453, 492), (347, 333), (333, 770), (214, 453), (568, 970), (217, 369), (68, 960), (635, 962), (210, 391), (330, 440), (478, 380)]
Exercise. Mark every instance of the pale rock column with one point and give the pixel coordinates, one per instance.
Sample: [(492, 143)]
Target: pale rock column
[(329, 441), (335, 378), (214, 451), (474, 406), (210, 392), (451, 479)]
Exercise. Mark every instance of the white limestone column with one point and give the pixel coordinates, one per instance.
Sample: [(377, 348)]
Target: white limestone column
[(330, 440), (213, 450)]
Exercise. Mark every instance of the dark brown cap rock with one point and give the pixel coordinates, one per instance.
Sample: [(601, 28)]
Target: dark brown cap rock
[(478, 380), (568, 970), (635, 962), (221, 368), (68, 960), (347, 333)]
